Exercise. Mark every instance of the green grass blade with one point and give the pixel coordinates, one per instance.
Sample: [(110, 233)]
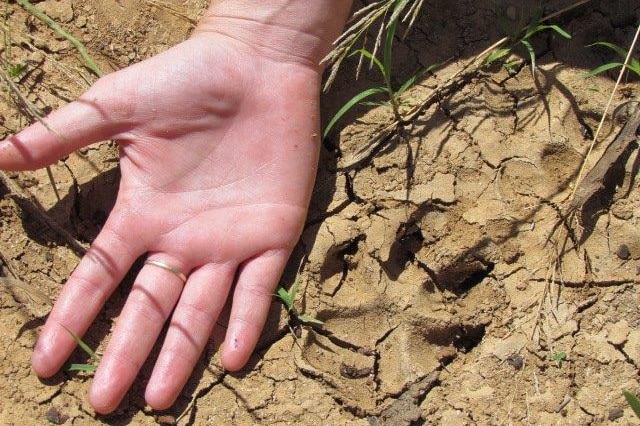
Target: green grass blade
[(603, 68), (634, 65), (372, 58), (527, 35), (558, 30), (388, 48), (497, 54), (16, 70), (633, 402), (308, 319), (510, 66), (82, 344), (619, 50), (406, 85), (374, 103), (83, 367), (285, 297), (294, 290), (532, 53), (412, 80), (350, 104), (397, 10), (540, 28)]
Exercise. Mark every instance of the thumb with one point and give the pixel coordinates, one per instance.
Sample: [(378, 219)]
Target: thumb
[(97, 115)]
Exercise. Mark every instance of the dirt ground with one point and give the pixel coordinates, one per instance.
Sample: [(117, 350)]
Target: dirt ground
[(449, 292)]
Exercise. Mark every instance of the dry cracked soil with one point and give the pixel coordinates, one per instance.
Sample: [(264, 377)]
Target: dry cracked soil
[(455, 284)]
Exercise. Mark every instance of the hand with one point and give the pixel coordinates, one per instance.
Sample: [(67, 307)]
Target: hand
[(218, 157)]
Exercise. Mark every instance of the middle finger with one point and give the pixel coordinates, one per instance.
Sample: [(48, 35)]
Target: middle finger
[(200, 304)]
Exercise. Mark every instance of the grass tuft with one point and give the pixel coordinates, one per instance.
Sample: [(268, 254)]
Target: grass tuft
[(633, 64), (384, 66), (387, 12), (523, 38)]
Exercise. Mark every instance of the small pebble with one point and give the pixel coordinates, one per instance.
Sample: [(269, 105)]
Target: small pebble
[(623, 252), (55, 417), (515, 361), (166, 420), (615, 413)]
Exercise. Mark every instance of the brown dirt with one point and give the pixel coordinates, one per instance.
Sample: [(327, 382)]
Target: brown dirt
[(443, 302)]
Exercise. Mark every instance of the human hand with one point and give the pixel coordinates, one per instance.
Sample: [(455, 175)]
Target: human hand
[(219, 149)]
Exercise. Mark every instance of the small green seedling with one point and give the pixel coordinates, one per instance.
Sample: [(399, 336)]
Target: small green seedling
[(559, 358), (633, 401), (288, 299), (384, 66), (633, 65), (522, 38), (16, 69), (83, 367)]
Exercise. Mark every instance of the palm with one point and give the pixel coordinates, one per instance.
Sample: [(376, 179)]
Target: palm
[(234, 163), (218, 155)]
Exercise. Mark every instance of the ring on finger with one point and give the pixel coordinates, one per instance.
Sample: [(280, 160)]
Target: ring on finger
[(164, 265)]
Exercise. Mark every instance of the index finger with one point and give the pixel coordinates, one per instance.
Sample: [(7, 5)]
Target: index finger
[(100, 271)]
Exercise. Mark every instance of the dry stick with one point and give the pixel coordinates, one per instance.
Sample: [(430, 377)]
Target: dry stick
[(583, 168), (543, 296), (36, 296), (83, 82), (89, 62), (604, 115), (169, 8), (27, 40), (6, 263), (36, 209), (566, 9), (594, 181)]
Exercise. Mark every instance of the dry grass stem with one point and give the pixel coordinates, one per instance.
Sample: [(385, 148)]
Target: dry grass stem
[(70, 72), (35, 296), (35, 115), (605, 114), (170, 8), (33, 207), (88, 60), (360, 24)]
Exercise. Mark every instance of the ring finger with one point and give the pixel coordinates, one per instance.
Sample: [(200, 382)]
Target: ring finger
[(151, 300)]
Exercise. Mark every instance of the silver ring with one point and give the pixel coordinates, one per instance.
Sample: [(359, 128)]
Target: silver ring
[(160, 264)]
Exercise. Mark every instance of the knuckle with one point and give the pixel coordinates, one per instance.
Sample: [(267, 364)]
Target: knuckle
[(147, 306), (257, 292), (112, 98), (92, 288), (200, 313), (122, 357)]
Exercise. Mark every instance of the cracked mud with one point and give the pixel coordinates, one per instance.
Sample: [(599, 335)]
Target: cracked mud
[(443, 298)]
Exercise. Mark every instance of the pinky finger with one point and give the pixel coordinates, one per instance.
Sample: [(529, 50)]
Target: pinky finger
[(252, 298)]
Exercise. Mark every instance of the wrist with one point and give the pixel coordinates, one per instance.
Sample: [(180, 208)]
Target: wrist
[(297, 31)]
